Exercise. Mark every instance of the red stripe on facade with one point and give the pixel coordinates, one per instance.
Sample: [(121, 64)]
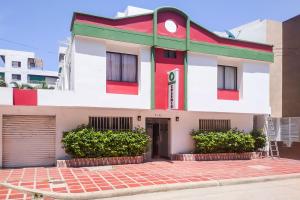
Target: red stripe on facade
[(144, 24), (140, 23), (162, 67), (179, 20), (228, 94), (116, 87), (199, 34), (23, 97)]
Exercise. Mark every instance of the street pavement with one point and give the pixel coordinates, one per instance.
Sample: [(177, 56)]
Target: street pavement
[(87, 182), (273, 190)]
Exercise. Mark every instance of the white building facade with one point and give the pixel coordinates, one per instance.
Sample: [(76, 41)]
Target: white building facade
[(160, 71), (284, 92), (24, 67)]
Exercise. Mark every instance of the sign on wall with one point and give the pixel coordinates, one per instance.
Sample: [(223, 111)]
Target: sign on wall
[(173, 82)]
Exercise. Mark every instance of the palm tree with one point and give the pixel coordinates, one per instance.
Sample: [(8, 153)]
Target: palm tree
[(21, 86), (44, 85), (3, 83)]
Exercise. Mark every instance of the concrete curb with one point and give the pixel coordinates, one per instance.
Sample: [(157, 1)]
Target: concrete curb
[(151, 189)]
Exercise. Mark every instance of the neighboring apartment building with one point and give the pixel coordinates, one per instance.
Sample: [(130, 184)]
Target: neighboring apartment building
[(24, 67), (284, 76), (159, 70)]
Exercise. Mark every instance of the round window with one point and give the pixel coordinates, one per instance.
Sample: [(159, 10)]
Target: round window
[(170, 26)]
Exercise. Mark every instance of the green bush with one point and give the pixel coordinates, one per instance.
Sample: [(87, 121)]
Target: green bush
[(260, 139), (85, 142), (232, 141)]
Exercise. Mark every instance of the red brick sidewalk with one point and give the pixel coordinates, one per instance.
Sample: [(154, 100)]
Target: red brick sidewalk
[(78, 180)]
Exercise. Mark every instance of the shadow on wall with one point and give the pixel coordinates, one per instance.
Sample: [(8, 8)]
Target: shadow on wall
[(292, 152), (257, 68)]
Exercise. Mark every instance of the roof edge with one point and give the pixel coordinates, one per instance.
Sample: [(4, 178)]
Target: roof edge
[(162, 9)]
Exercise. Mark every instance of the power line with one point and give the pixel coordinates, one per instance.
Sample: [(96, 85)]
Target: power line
[(25, 45)]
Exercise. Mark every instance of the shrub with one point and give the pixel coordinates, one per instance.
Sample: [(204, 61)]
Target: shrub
[(260, 139), (85, 142), (232, 141)]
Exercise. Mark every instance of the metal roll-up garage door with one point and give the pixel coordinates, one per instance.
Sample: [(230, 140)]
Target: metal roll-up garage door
[(28, 140)]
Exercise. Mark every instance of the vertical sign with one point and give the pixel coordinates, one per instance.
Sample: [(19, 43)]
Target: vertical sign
[(173, 82)]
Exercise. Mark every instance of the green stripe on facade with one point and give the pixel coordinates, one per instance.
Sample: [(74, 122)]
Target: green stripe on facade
[(171, 43), (112, 34), (168, 42), (188, 31), (185, 80), (154, 28), (152, 78), (236, 52)]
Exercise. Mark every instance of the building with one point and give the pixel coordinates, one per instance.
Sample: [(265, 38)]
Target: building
[(159, 70), (284, 77), (24, 67)]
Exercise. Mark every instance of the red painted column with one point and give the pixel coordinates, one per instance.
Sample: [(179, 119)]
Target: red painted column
[(162, 67)]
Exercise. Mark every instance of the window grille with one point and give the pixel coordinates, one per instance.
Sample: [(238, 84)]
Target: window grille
[(110, 123), (214, 124)]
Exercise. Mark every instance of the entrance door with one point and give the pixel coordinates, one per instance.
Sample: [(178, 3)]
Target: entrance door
[(155, 140), (158, 130)]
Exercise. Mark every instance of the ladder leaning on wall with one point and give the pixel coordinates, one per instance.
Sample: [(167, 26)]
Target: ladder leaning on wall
[(271, 137)]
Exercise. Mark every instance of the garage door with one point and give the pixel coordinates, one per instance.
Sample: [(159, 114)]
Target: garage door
[(28, 140)]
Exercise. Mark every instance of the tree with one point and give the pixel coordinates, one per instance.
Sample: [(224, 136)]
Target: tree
[(21, 86), (44, 85), (3, 83)]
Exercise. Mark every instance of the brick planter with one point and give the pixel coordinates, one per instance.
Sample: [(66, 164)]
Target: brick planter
[(218, 156), (85, 162)]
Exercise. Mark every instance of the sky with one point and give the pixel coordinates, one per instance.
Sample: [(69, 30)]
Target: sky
[(42, 25)]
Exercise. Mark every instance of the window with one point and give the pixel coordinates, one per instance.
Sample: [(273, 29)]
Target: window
[(16, 77), (31, 63), (121, 67), (2, 76), (214, 124), (227, 77), (16, 64), (50, 80), (2, 61), (110, 123), (169, 54), (35, 79)]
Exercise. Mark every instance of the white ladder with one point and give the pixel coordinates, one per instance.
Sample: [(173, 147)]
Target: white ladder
[(271, 137)]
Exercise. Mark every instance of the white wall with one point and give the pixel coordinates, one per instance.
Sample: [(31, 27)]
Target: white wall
[(180, 140), (253, 84), (88, 81), (6, 96), (89, 68), (256, 86), (255, 31)]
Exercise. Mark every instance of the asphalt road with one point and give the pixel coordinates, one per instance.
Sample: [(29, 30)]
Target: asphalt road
[(274, 190)]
